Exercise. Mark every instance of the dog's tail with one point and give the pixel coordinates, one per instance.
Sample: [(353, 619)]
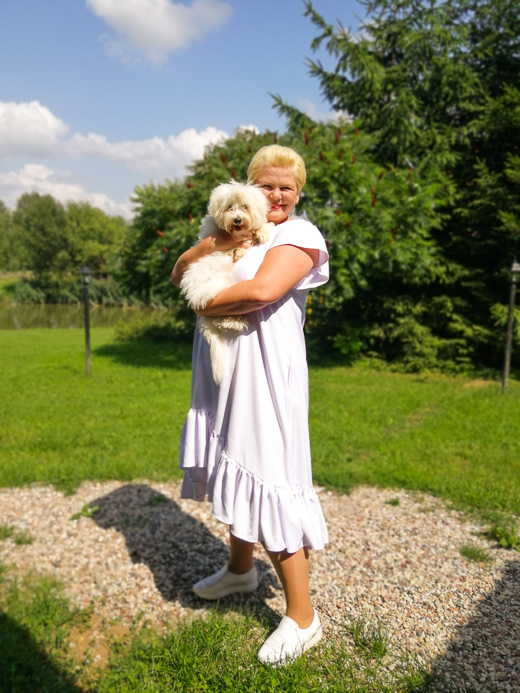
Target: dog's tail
[(217, 348)]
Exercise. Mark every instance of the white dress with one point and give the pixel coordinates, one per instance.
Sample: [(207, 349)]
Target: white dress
[(245, 443)]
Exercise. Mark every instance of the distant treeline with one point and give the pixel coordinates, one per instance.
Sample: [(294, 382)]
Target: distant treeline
[(417, 192)]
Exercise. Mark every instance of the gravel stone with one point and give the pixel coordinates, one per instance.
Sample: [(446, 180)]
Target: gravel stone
[(140, 554)]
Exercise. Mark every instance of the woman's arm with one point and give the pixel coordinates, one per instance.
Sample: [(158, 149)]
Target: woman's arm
[(282, 268), (220, 240)]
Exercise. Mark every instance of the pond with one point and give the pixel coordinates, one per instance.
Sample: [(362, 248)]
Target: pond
[(29, 316)]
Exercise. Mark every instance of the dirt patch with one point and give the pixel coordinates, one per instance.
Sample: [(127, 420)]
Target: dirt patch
[(91, 646), (479, 383)]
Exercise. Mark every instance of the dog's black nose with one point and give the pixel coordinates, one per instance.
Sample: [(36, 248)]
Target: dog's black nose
[(237, 220)]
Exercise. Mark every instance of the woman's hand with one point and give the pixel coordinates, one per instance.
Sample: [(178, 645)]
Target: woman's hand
[(219, 240)]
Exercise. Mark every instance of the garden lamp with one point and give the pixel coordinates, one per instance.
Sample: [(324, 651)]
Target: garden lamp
[(515, 273), (86, 274)]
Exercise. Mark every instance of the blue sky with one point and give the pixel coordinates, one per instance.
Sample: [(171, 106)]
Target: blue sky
[(98, 96)]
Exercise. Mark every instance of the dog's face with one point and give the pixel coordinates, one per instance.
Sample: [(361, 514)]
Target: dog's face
[(238, 208)]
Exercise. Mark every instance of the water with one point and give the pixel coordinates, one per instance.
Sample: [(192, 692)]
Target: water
[(28, 316)]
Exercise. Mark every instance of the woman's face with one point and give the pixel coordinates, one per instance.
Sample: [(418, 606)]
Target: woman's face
[(279, 186)]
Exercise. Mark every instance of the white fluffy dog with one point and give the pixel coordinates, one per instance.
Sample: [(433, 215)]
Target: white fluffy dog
[(241, 210)]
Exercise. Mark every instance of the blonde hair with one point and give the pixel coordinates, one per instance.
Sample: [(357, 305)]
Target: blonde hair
[(276, 155)]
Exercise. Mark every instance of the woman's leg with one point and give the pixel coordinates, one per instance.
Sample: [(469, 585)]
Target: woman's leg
[(293, 571), (241, 555)]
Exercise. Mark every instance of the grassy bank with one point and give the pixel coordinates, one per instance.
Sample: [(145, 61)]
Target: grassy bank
[(215, 655), (450, 436)]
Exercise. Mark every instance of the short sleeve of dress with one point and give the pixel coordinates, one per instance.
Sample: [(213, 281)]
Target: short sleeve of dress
[(303, 234)]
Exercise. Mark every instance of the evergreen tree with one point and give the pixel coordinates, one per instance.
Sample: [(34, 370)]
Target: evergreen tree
[(377, 222), (437, 84)]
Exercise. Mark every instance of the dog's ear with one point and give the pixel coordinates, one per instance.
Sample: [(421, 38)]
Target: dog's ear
[(219, 201), (208, 225)]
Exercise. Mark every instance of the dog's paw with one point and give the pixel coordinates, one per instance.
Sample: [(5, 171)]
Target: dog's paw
[(263, 234)]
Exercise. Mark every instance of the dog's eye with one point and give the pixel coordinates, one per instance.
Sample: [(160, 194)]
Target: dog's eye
[(246, 207)]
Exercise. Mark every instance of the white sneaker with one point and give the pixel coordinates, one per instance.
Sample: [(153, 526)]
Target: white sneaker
[(289, 641), (223, 583)]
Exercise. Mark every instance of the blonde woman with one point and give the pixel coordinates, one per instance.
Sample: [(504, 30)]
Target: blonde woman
[(245, 443)]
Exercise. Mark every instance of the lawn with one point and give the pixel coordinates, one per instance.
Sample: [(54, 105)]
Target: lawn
[(59, 426), (453, 437)]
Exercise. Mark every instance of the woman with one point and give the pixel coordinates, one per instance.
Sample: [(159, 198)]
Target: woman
[(245, 443)]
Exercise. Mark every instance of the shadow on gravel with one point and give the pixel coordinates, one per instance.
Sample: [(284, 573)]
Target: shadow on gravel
[(148, 354), (484, 654), (178, 549), (24, 665)]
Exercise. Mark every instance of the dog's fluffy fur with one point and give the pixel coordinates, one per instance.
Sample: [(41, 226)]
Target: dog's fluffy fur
[(240, 210)]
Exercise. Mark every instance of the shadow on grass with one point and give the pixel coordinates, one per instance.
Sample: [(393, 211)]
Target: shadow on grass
[(148, 354), (485, 652), (177, 549), (24, 666)]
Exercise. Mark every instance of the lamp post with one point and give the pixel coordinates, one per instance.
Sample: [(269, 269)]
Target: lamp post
[(86, 274), (515, 271)]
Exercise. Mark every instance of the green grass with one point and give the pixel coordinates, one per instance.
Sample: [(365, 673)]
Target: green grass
[(216, 654), (427, 433), (5, 532), (22, 538), (59, 426), (475, 553), (34, 622), (505, 532)]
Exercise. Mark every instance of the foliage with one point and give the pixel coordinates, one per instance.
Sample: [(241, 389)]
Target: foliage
[(5, 532), (378, 224), (86, 511), (13, 256), (159, 326), (103, 292), (475, 553), (43, 223), (96, 236), (59, 239), (438, 87), (369, 638), (506, 534)]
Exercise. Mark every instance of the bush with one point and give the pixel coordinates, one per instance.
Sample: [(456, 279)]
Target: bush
[(157, 326), (104, 292)]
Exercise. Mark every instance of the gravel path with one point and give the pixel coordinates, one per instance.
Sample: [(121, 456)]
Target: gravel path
[(400, 564)]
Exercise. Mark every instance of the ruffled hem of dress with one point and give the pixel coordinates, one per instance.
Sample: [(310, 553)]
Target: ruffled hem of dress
[(201, 448), (282, 518)]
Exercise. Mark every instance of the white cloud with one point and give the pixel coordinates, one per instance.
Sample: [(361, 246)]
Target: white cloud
[(43, 180), (156, 156), (29, 129), (245, 128), (310, 109), (156, 27)]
